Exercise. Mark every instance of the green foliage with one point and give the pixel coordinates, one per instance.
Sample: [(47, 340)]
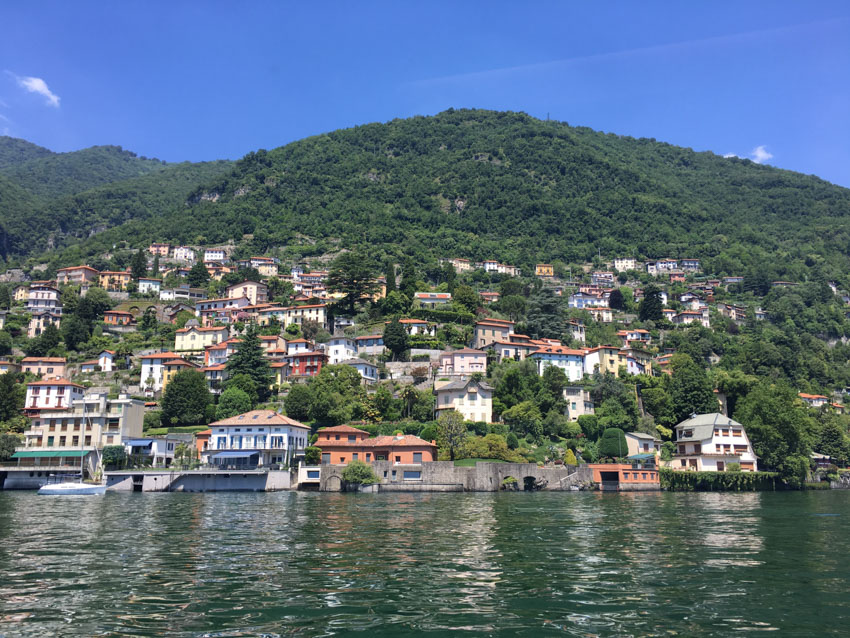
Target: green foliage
[(651, 306), (490, 446), (353, 274), (74, 332), (250, 359), (613, 444), (361, 185), (733, 467), (232, 401), (691, 391), (512, 441), (152, 420), (186, 399), (451, 433), (570, 458), (139, 264), (359, 473), (686, 481), (298, 402), (114, 456), (465, 297), (589, 424), (395, 338), (198, 276), (312, 455), (780, 429)]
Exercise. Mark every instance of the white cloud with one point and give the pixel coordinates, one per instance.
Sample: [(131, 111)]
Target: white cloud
[(37, 85), (760, 154)]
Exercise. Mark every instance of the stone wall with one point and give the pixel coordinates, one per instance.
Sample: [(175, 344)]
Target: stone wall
[(444, 476), (198, 481)]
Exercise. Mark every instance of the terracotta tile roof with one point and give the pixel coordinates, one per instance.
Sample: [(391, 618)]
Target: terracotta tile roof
[(180, 362), (340, 429), (803, 395), (558, 350), (55, 382), (43, 360), (260, 417), (161, 355)]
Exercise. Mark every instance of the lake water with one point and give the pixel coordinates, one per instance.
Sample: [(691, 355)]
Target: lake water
[(514, 564)]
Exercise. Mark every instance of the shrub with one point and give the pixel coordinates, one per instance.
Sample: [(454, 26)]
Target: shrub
[(570, 458), (114, 456), (429, 432), (479, 428), (512, 441), (733, 467), (421, 357), (613, 443), (359, 473)]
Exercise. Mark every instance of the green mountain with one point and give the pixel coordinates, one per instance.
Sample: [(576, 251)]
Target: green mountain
[(484, 184), (30, 227), (57, 174), (14, 151)]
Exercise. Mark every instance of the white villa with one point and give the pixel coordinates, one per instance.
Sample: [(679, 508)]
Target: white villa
[(710, 442), (256, 438)]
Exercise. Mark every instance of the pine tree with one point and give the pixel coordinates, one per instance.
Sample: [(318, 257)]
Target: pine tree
[(198, 275), (250, 359), (139, 265), (155, 267), (389, 273), (651, 306), (395, 338)]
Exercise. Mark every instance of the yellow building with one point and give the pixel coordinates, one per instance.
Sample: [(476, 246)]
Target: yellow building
[(195, 338), (604, 359), (114, 280), (172, 367), (544, 270)]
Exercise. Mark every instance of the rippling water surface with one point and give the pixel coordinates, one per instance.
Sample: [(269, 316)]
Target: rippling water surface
[(581, 564)]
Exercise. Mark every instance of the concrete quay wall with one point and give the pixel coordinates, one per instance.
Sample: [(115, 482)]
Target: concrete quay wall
[(443, 476), (198, 481)]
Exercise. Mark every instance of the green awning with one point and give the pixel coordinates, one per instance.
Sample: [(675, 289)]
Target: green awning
[(31, 454)]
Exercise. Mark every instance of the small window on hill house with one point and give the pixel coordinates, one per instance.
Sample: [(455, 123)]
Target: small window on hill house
[(352, 438)]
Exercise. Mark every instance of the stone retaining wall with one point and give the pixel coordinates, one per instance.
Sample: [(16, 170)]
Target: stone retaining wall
[(444, 476)]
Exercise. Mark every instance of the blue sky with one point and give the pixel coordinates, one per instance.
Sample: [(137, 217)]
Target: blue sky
[(206, 80)]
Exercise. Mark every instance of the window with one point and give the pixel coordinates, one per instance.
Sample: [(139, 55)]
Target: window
[(412, 475), (368, 456), (354, 456), (326, 458), (352, 438), (417, 457), (313, 474)]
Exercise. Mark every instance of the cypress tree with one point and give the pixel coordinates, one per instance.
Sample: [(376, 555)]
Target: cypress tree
[(250, 359)]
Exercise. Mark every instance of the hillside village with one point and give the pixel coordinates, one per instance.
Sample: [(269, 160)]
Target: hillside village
[(162, 363)]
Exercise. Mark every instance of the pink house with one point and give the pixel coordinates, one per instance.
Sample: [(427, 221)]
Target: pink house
[(461, 362)]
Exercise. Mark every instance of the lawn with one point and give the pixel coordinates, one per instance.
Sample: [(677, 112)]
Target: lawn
[(472, 462)]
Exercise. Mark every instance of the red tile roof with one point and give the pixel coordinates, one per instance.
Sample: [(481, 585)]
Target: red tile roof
[(55, 382), (260, 417)]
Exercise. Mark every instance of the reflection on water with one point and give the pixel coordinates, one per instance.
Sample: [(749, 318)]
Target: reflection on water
[(584, 564)]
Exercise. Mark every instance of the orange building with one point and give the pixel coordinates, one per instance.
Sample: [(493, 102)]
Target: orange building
[(342, 444), (625, 477), (202, 440), (118, 318)]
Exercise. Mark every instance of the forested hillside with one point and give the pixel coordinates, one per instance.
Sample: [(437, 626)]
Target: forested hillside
[(14, 151), (57, 174), (31, 228), (485, 184)]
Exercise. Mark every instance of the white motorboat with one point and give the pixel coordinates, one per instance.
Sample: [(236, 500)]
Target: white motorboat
[(72, 489)]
